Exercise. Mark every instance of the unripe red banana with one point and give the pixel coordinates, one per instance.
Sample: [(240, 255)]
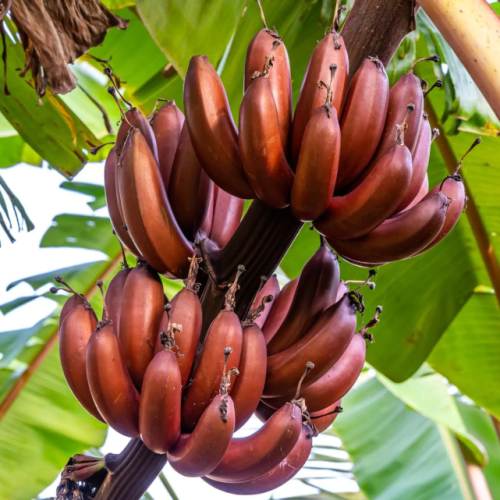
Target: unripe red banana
[(199, 453), (112, 388), (279, 310), (212, 130), (318, 162), (114, 203), (147, 211), (167, 124), (227, 216), (363, 120), (407, 89), (338, 380), (250, 382), (316, 291), (271, 288), (280, 78), (278, 476), (160, 409), (323, 345), (225, 332), (186, 311), (370, 203), (76, 325), (399, 238), (262, 153), (141, 313), (330, 50), (189, 188), (452, 187), (420, 163), (259, 453), (323, 419)]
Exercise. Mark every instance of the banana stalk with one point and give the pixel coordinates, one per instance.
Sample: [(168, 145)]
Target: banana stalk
[(472, 28)]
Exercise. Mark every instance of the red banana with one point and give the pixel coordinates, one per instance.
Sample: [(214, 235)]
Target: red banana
[(160, 410), (206, 225), (167, 124), (141, 313), (323, 419), (280, 78), (114, 203), (318, 162), (112, 389), (370, 203), (189, 188), (422, 193), (262, 153), (212, 130), (338, 380), (225, 332), (420, 163), (407, 89), (114, 294), (76, 325), (264, 412), (270, 288), (227, 216), (276, 477), (147, 211), (316, 291), (279, 310), (323, 345), (363, 120), (399, 238), (259, 453), (330, 50), (185, 311), (452, 187), (199, 453), (250, 382)]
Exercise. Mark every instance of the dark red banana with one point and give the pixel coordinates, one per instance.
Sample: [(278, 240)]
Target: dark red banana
[(112, 388), (189, 188), (279, 78), (212, 130), (134, 118), (323, 419), (318, 162), (330, 50), (420, 163), (262, 153), (338, 380), (399, 238), (259, 453), (185, 311), (114, 294), (316, 291), (370, 203), (227, 216), (363, 120), (250, 382), (279, 310), (206, 225), (225, 332), (114, 204), (406, 90), (160, 409), (422, 193), (199, 453), (167, 125), (270, 288), (76, 325), (452, 187), (323, 345), (278, 476), (147, 211), (141, 313)]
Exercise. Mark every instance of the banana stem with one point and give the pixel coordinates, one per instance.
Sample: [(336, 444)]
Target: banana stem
[(472, 28)]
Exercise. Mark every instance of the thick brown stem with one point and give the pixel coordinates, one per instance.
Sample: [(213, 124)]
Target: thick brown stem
[(373, 28)]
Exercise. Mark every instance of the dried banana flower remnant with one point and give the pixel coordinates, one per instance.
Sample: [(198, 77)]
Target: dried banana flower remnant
[(56, 32)]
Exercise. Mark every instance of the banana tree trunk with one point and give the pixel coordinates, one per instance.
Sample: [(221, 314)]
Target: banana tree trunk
[(472, 28)]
